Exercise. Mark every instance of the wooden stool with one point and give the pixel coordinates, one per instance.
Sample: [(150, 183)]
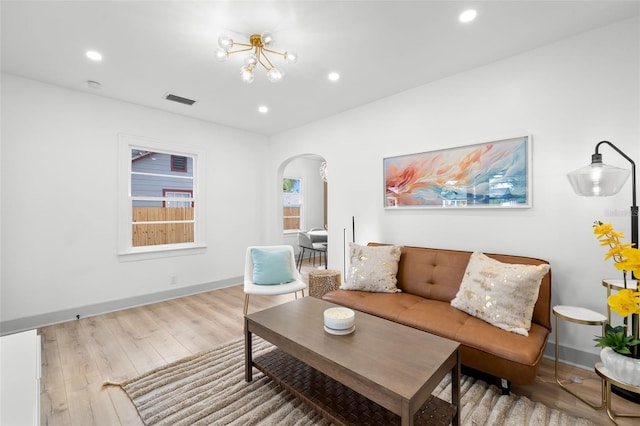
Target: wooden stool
[(322, 281)]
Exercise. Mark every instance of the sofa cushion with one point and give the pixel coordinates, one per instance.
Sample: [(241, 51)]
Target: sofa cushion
[(501, 353), (384, 305), (502, 294), (373, 269), (526, 350)]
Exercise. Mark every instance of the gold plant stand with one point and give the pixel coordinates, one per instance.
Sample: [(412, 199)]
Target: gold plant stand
[(601, 371)]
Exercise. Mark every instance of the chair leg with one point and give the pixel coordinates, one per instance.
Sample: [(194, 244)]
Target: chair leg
[(246, 304), (301, 258)]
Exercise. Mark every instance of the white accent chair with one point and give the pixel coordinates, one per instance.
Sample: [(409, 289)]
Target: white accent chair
[(270, 290)]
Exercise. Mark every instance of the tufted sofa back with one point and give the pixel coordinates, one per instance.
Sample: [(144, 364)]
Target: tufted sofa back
[(437, 274)]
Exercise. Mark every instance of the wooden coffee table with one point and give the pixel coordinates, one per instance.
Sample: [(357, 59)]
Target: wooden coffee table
[(390, 364)]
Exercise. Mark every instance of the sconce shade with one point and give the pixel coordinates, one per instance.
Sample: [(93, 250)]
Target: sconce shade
[(597, 179)]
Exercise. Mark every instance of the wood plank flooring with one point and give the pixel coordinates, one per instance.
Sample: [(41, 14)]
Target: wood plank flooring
[(79, 356)]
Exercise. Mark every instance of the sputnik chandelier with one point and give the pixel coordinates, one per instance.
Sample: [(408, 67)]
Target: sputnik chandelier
[(257, 55)]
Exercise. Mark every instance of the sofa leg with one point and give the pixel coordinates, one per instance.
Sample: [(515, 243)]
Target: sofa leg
[(506, 386)]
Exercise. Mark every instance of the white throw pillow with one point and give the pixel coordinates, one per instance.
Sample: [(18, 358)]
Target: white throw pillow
[(502, 294), (373, 268)]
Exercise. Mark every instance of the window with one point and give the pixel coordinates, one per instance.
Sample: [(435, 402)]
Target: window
[(291, 204), (178, 193), (160, 207)]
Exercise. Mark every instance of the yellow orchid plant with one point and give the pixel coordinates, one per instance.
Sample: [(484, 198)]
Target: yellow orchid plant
[(626, 258)]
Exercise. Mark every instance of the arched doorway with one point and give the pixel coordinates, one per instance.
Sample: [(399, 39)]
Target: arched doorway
[(303, 196)]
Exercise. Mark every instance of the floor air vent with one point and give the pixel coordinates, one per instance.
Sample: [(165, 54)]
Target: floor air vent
[(180, 99)]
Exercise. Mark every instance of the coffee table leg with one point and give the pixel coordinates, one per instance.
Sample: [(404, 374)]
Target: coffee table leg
[(248, 361), (406, 417), (455, 390)]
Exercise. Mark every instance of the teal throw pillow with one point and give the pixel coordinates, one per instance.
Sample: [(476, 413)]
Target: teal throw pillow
[(271, 266)]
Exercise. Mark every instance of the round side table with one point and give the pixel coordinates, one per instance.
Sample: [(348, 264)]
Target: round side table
[(601, 371), (582, 316)]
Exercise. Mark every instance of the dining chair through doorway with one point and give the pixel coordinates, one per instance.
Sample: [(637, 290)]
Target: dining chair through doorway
[(306, 243)]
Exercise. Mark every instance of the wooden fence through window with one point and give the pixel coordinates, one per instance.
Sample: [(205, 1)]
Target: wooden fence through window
[(291, 218), (149, 234)]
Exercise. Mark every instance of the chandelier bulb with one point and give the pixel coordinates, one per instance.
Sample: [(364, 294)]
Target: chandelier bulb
[(222, 55), (275, 75), (323, 171), (266, 37), (251, 61), (246, 73), (291, 57), (225, 42)]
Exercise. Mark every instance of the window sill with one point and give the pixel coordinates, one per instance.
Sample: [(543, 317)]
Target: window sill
[(159, 253)]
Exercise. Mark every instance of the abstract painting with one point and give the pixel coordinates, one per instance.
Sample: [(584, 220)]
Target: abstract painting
[(490, 174)]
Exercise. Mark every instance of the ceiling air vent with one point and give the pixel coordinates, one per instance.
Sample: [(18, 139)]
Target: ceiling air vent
[(179, 99)]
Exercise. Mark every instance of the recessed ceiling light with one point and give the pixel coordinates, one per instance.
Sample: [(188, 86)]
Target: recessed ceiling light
[(468, 15), (263, 109), (333, 76), (93, 55)]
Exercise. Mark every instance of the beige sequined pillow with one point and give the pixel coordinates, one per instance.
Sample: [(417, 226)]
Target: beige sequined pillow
[(502, 294), (373, 268)]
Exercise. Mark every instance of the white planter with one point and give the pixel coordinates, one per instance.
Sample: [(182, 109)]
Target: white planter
[(622, 368)]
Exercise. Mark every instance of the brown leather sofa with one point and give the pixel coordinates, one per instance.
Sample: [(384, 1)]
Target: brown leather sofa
[(429, 279)]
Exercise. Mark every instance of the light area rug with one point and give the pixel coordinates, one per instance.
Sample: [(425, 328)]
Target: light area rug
[(209, 389)]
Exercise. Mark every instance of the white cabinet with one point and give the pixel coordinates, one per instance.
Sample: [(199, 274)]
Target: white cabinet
[(20, 368)]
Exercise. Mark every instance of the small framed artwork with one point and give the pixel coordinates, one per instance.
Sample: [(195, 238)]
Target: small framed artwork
[(494, 174)]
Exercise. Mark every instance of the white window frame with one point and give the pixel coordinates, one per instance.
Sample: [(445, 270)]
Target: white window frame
[(126, 250)]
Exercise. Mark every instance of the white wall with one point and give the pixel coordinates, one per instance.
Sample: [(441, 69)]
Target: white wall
[(569, 96), (59, 185)]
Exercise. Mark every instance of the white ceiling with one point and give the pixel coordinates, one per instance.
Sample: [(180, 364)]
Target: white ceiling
[(380, 48)]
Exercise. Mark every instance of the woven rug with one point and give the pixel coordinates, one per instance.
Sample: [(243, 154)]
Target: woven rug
[(209, 389)]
